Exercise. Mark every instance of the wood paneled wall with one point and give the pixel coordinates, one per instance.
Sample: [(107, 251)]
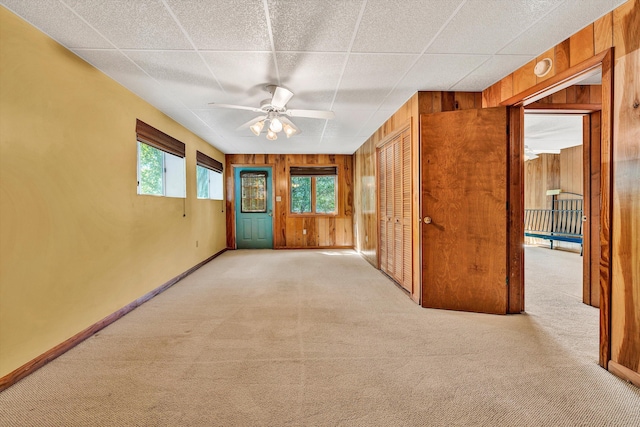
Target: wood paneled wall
[(591, 40), (619, 29), (540, 175), (576, 94), (322, 231), (365, 178), (625, 298), (571, 170)]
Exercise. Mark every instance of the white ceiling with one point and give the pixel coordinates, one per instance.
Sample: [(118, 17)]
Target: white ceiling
[(360, 58), (550, 133)]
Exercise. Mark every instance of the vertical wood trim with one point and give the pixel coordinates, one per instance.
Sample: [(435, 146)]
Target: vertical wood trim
[(606, 176), (515, 218), (586, 210), (594, 203)]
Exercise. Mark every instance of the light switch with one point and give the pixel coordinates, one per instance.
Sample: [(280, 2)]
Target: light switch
[(278, 199)]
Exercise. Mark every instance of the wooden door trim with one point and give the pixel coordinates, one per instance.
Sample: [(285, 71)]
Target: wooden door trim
[(604, 61), (515, 208), (231, 201)]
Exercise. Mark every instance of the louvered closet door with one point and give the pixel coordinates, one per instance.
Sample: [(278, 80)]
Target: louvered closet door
[(391, 266), (382, 207), (395, 209), (407, 252)]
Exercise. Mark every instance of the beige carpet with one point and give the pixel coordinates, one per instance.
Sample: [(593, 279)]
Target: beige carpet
[(320, 338)]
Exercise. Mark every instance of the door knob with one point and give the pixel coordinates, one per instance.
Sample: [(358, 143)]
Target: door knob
[(427, 220)]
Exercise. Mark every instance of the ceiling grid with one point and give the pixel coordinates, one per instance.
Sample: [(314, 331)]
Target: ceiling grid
[(361, 59)]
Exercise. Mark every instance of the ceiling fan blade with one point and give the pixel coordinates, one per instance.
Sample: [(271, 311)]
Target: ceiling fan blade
[(280, 97), (236, 107), (250, 122), (313, 114)]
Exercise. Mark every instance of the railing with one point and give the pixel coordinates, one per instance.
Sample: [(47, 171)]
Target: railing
[(562, 223)]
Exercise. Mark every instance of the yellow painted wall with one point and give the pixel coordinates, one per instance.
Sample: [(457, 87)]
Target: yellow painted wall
[(76, 241)]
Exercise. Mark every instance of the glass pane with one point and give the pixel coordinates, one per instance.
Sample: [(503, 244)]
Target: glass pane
[(325, 194), (254, 192), (300, 194), (174, 176), (216, 187), (202, 176), (150, 174)]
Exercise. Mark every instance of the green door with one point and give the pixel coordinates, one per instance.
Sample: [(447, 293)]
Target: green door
[(254, 208)]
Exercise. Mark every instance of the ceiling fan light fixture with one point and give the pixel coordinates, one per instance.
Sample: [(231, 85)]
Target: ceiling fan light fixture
[(256, 128), (289, 130), (271, 135), (276, 125)]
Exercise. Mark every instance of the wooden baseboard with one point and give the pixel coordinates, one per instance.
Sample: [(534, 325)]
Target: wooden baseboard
[(312, 247), (46, 357), (624, 373)]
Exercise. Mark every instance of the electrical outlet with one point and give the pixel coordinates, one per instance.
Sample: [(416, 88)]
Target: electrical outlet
[(304, 231)]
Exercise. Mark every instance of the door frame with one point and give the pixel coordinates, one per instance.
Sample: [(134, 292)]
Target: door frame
[(231, 201), (604, 62)]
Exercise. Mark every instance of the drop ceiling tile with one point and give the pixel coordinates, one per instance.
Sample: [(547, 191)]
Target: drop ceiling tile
[(191, 121), (312, 77), (115, 65), (440, 72), (339, 145), (243, 75), (58, 22), (491, 71), (558, 26), (224, 25), (405, 26), (309, 127), (376, 120), (485, 27), (347, 123), (225, 122), (320, 26), (140, 24), (397, 98), (182, 73), (368, 79)]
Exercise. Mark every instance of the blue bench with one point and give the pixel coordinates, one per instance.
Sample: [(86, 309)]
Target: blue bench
[(563, 223)]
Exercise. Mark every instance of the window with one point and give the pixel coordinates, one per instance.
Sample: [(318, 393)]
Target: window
[(254, 191), (161, 170), (313, 190), (208, 177)]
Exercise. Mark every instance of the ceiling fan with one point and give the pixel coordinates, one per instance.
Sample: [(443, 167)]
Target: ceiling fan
[(275, 112)]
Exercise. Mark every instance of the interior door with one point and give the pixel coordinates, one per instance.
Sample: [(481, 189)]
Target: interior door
[(254, 208), (464, 209)]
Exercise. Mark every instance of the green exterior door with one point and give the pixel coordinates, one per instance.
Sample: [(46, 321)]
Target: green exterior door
[(254, 208)]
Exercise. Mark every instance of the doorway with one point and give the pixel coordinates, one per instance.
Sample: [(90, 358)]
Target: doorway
[(598, 188), (254, 207), (561, 188)]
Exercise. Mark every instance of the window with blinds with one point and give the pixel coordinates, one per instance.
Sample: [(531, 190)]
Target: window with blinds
[(161, 167), (314, 190)]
